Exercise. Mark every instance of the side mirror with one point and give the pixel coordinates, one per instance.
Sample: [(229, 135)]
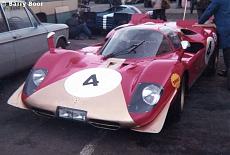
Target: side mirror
[(185, 44)]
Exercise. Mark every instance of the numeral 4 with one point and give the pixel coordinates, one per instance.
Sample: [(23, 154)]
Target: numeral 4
[(91, 80)]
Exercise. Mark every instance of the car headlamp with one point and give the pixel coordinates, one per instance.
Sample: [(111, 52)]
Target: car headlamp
[(38, 76), (145, 97), (33, 80), (151, 94)]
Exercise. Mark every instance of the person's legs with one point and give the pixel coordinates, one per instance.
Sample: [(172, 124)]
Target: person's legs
[(77, 31), (199, 13), (82, 28), (158, 13), (192, 6), (226, 53), (179, 4), (154, 15), (86, 30), (162, 15)]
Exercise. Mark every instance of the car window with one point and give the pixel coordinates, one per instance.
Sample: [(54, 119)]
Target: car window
[(164, 47), (119, 9), (17, 17), (124, 10), (174, 38), (3, 25), (32, 18), (132, 10), (111, 10), (125, 39)]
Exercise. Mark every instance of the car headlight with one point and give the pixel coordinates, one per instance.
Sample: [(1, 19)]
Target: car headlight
[(38, 76), (33, 80), (145, 97), (151, 94)]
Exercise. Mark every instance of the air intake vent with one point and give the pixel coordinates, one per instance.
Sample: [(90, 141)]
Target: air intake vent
[(104, 124), (41, 112)]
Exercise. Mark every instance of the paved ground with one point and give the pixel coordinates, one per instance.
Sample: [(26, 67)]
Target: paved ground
[(203, 129)]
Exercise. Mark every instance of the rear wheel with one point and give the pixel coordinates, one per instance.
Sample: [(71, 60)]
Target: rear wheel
[(213, 63)]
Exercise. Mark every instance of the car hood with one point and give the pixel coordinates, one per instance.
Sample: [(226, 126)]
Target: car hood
[(70, 64)]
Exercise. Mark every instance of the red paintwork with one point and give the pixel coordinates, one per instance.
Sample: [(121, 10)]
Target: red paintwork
[(157, 69), (51, 43)]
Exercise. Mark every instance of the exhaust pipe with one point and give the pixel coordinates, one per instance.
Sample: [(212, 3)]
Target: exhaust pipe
[(51, 43)]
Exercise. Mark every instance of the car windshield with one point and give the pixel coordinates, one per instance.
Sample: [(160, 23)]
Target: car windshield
[(133, 43)]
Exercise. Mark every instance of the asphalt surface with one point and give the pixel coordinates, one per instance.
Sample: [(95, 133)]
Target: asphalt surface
[(203, 129)]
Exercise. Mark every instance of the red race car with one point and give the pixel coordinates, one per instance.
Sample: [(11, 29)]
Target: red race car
[(133, 80)]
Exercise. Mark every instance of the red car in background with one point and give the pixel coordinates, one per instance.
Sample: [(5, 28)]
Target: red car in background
[(135, 79)]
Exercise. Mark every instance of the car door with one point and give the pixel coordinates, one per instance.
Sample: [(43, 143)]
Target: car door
[(28, 34), (7, 53)]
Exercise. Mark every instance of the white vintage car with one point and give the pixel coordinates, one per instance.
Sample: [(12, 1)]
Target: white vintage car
[(23, 36)]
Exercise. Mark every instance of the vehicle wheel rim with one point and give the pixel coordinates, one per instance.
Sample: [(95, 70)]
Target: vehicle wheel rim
[(182, 95)]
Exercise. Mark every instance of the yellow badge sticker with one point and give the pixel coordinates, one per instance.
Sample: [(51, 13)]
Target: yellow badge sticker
[(175, 80)]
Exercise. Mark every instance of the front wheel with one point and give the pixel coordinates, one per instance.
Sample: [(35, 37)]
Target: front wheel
[(177, 106), (61, 44)]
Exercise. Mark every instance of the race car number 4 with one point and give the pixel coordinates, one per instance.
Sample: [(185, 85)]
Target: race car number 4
[(92, 82)]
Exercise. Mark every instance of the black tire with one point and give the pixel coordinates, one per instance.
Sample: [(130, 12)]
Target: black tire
[(213, 64), (177, 106), (61, 43)]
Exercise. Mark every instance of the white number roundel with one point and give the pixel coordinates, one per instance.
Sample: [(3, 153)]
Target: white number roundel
[(92, 82)]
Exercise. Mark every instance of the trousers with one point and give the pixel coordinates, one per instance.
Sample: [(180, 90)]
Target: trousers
[(226, 53), (159, 14)]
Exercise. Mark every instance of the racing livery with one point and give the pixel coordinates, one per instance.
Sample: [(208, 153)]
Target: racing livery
[(135, 79)]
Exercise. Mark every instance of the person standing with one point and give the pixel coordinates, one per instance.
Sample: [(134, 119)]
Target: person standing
[(179, 4), (193, 3), (221, 11), (159, 7)]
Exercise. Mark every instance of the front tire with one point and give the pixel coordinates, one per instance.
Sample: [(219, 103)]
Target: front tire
[(61, 44), (178, 105), (213, 63)]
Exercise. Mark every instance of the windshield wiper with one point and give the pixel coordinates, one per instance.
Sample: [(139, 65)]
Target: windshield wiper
[(128, 50)]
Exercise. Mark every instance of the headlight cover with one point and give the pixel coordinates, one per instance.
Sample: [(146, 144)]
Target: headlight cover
[(151, 94), (34, 79), (145, 97), (38, 76)]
